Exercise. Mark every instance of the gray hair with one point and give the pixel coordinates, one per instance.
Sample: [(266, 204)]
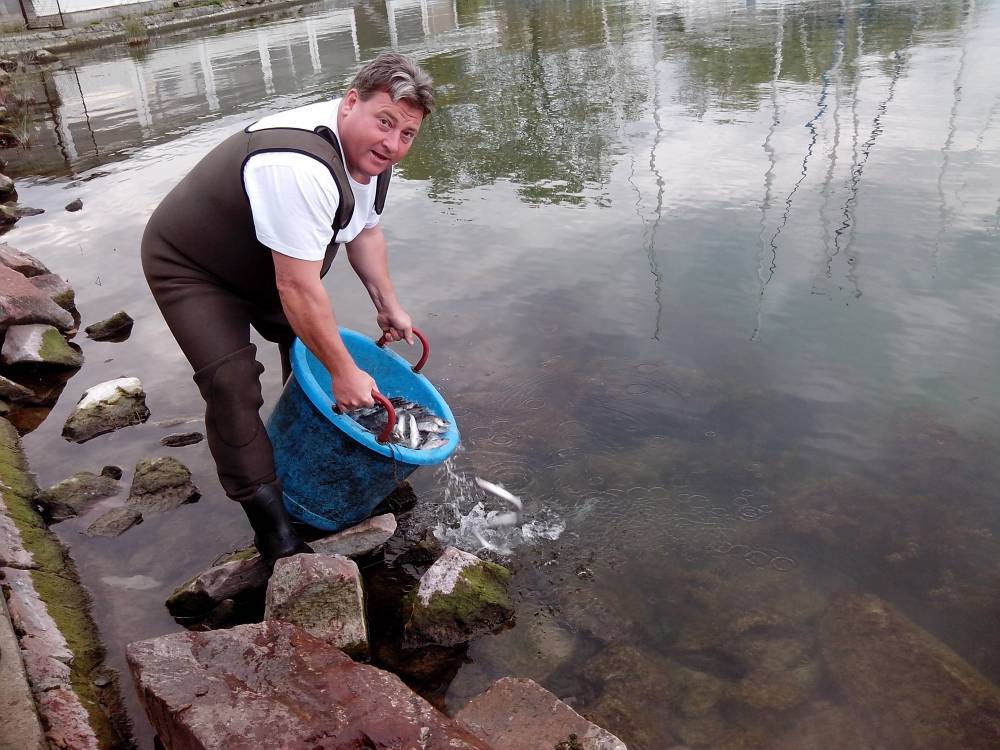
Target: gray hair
[(399, 77)]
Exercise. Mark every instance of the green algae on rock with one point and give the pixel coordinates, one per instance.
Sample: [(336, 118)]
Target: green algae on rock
[(55, 579)]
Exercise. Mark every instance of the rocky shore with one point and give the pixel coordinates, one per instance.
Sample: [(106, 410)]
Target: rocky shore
[(289, 655)]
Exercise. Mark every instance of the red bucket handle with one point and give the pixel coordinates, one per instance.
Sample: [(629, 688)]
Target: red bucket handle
[(390, 423), (423, 357)]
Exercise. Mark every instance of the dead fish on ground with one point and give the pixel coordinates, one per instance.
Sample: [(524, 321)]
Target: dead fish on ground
[(416, 426), (510, 518)]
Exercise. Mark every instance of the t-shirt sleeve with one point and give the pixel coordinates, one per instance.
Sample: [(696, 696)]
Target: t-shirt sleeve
[(293, 199)]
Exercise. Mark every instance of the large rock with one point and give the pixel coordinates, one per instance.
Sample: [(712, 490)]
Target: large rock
[(321, 594), (161, 484), (458, 598), (22, 303), (24, 264), (917, 692), (38, 344), (272, 684), (57, 289), (244, 571), (520, 713), (117, 328), (11, 391), (74, 496), (106, 407)]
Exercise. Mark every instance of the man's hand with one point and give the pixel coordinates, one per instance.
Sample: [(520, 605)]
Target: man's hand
[(353, 389), (396, 325)]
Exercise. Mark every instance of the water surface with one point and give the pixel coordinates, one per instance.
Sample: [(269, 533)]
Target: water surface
[(712, 285)]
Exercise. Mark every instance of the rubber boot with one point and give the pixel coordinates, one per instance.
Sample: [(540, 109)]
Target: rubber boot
[(274, 535)]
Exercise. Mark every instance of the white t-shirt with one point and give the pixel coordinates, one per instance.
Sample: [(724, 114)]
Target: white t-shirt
[(293, 197)]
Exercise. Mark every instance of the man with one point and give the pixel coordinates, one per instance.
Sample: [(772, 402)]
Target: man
[(244, 240)]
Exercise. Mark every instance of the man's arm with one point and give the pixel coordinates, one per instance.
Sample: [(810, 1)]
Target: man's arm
[(307, 307), (370, 261)]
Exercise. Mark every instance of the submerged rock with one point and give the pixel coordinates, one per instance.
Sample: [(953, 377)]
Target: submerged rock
[(244, 572), (520, 713), (321, 594), (115, 522), (116, 328), (161, 484), (74, 496), (38, 344), (916, 692), (272, 683), (22, 303), (458, 598), (181, 439), (74, 205), (106, 407)]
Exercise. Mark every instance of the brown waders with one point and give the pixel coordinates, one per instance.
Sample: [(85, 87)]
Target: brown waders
[(213, 280)]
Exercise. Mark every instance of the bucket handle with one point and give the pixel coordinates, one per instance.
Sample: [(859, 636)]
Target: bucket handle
[(423, 357), (390, 411)]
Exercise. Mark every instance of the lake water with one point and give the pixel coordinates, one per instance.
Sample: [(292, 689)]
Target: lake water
[(713, 286)]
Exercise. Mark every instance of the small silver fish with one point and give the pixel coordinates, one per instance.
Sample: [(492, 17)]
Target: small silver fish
[(414, 438), (433, 442), (483, 541), (499, 491)]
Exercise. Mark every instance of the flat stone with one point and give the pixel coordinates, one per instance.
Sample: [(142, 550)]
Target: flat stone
[(115, 522), (57, 289), (21, 303), (106, 407), (206, 590), (32, 620), (12, 551), (22, 729), (520, 713), (361, 539), (916, 692), (39, 344), (243, 572), (457, 599), (321, 594), (74, 496), (161, 484), (181, 439), (116, 328), (247, 686)]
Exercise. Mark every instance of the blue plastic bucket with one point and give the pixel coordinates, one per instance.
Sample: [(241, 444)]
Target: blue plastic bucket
[(333, 471)]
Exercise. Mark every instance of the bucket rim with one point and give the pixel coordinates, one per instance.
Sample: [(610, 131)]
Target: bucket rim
[(322, 400)]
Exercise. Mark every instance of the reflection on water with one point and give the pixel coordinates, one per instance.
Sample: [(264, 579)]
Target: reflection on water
[(712, 285)]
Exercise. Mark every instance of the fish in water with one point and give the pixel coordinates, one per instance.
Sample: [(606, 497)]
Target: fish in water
[(416, 426), (509, 518)]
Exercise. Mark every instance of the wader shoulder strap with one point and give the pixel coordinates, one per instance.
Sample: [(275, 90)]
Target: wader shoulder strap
[(382, 182), (324, 149), (381, 188)]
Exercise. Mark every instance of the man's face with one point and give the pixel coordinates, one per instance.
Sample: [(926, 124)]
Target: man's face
[(375, 133)]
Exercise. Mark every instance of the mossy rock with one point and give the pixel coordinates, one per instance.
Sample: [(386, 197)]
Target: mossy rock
[(74, 496), (459, 598)]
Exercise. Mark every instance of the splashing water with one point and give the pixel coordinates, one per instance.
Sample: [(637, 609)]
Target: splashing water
[(470, 518)]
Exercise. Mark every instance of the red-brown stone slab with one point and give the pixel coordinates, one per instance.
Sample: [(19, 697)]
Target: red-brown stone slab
[(521, 714), (274, 685)]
